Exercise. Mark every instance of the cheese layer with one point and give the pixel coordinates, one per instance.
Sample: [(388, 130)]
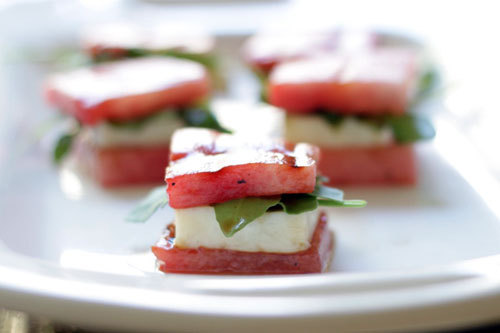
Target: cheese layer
[(276, 232), (349, 132), (156, 130)]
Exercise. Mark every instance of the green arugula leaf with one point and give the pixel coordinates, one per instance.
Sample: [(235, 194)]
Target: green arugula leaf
[(136, 123), (63, 147), (333, 119), (428, 81), (325, 192), (343, 203), (137, 52), (195, 117), (406, 128), (207, 60), (69, 131), (329, 196), (264, 86), (156, 199), (104, 57), (200, 117), (234, 215), (298, 203), (410, 128), (428, 86)]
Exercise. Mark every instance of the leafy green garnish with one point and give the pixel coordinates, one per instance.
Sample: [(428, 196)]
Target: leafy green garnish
[(264, 85), (65, 141), (406, 128), (329, 196), (234, 215), (207, 60), (200, 117), (343, 203), (325, 192), (103, 57), (410, 128), (428, 85), (297, 203), (136, 123), (136, 53), (156, 199), (195, 117), (63, 147), (428, 80), (333, 119)]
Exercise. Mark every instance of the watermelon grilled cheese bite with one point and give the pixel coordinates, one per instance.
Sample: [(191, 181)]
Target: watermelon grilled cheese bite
[(263, 51), (243, 206), (356, 108), (127, 110), (266, 50), (113, 41)]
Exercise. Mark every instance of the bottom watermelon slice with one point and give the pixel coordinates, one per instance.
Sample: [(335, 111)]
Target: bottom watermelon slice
[(202, 260), (386, 165), (123, 166)]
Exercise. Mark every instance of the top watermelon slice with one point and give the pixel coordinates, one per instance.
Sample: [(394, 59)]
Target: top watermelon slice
[(266, 50), (380, 81), (208, 167), (128, 89), (118, 40)]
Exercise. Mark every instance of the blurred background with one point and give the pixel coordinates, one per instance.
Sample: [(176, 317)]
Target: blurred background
[(461, 35), (39, 36)]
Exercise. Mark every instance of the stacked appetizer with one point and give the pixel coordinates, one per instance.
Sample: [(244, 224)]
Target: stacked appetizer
[(263, 51), (127, 111), (356, 108), (114, 41), (242, 206)]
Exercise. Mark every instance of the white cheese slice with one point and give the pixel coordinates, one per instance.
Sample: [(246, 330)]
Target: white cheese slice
[(350, 132), (275, 232), (156, 130)]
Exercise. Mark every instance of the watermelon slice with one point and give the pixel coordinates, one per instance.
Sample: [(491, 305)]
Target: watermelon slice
[(266, 50), (113, 41), (380, 81), (128, 89), (208, 167), (220, 261), (124, 166), (382, 165)]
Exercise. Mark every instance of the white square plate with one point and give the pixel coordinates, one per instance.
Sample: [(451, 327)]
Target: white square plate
[(423, 257)]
